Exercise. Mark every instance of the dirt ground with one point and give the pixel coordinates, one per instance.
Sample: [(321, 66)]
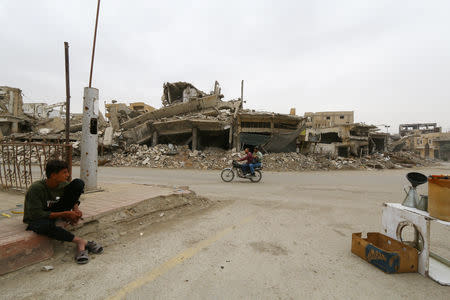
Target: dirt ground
[(287, 237)]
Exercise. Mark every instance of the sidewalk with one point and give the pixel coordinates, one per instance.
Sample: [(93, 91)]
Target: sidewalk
[(20, 248)]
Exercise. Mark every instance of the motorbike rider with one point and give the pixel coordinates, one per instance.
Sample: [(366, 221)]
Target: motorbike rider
[(257, 160), (249, 158)]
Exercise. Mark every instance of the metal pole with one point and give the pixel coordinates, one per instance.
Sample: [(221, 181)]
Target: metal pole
[(93, 47), (242, 90), (89, 138), (68, 153), (66, 53), (242, 94)]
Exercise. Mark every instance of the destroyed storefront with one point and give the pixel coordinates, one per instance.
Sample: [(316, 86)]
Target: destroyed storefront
[(444, 148), (345, 140), (273, 132)]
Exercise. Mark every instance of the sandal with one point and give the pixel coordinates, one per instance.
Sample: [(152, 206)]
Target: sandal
[(82, 257), (94, 247)]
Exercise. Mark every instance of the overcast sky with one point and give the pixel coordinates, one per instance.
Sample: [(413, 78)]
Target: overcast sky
[(389, 61)]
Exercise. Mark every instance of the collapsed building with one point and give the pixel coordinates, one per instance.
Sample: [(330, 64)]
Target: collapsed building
[(36, 121), (182, 92), (424, 139), (429, 145), (200, 120), (335, 133), (418, 128), (344, 140)]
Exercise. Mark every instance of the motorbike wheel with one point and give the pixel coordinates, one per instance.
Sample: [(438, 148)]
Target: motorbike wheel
[(258, 176), (227, 175)]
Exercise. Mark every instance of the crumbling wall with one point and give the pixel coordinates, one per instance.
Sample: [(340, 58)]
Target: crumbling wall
[(179, 92), (325, 149), (349, 139), (11, 101), (11, 111)]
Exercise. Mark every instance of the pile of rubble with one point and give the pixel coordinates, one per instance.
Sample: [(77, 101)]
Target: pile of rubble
[(174, 157)]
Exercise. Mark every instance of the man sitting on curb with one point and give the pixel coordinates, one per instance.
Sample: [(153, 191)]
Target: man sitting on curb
[(54, 198)]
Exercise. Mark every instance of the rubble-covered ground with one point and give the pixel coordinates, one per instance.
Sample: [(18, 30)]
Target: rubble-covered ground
[(173, 157)]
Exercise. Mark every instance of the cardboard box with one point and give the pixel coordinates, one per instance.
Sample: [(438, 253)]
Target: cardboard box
[(385, 253)]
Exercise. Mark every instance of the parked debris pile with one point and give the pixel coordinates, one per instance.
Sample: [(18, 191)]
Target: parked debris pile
[(173, 157)]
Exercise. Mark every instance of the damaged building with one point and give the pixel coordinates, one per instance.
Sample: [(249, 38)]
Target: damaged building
[(118, 113), (36, 121), (200, 120), (424, 139), (328, 118), (430, 145), (12, 118), (418, 128), (345, 140), (274, 132), (182, 92)]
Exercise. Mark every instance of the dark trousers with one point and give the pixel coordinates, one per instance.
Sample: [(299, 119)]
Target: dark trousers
[(245, 168), (47, 227)]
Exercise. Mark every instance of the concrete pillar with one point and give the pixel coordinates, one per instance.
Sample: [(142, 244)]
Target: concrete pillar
[(89, 139), (272, 126), (230, 137), (11, 103), (236, 142), (154, 138), (194, 138), (14, 127)]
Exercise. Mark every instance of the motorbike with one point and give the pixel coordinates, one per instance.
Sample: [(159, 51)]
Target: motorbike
[(228, 174)]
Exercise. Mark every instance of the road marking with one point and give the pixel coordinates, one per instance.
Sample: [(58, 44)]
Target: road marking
[(178, 259)]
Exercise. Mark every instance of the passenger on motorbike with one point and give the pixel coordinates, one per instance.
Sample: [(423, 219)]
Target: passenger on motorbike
[(249, 158), (257, 160)]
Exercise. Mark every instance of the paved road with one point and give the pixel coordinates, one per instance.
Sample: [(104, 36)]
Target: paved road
[(287, 237)]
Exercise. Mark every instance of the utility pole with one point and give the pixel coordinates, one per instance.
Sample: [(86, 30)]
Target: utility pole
[(89, 140), (68, 148), (242, 94)]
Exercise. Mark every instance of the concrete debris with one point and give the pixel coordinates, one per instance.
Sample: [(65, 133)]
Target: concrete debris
[(162, 156), (47, 268), (182, 92)]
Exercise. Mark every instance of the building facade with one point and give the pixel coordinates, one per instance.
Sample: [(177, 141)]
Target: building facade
[(328, 118)]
